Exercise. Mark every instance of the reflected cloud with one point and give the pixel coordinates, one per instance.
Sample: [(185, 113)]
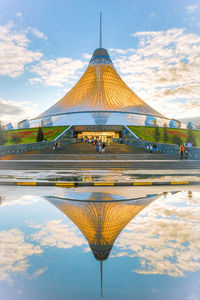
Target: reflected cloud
[(165, 238), (14, 251), (23, 200), (56, 234), (38, 273)]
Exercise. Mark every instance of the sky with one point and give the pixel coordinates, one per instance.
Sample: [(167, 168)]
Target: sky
[(45, 47)]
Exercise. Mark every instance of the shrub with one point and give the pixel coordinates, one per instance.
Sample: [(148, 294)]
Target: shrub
[(191, 137), (156, 134), (40, 135), (165, 134), (16, 139), (176, 140), (2, 137)]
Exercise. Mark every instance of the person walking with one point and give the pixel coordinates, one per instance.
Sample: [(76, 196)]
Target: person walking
[(154, 148), (97, 148), (186, 152), (181, 151), (55, 146), (58, 145), (148, 149), (103, 148), (99, 145)]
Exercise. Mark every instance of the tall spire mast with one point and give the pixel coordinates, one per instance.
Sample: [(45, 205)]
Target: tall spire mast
[(100, 38), (101, 266)]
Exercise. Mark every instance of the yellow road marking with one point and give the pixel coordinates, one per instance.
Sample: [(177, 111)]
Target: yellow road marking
[(26, 183), (66, 184), (103, 183), (179, 182)]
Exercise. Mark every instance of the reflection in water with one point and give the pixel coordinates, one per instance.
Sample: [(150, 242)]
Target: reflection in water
[(166, 237), (1, 199), (101, 218), (161, 242)]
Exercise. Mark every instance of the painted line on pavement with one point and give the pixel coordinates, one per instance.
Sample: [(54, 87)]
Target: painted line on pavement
[(26, 183), (97, 160), (179, 182), (65, 184), (100, 183)]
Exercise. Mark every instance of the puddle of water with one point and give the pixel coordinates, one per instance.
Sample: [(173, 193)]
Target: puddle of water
[(94, 176), (54, 248)]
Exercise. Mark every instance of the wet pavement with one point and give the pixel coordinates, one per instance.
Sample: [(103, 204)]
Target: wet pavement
[(99, 175)]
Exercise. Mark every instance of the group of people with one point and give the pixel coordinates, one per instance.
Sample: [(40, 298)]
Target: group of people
[(100, 147), (152, 148), (184, 151), (56, 146)]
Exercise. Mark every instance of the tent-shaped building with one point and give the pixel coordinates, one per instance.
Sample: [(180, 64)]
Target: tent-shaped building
[(100, 101)]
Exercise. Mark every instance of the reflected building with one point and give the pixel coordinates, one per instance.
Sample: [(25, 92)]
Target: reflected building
[(101, 218)]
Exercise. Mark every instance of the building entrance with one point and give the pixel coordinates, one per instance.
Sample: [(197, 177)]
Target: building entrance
[(104, 136), (105, 133)]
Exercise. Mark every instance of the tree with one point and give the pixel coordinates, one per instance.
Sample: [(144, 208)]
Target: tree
[(2, 137), (16, 139), (165, 134), (191, 137), (156, 134), (40, 135), (176, 140)]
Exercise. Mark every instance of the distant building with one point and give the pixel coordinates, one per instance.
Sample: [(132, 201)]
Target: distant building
[(174, 123), (192, 125), (23, 124), (9, 126), (150, 121), (47, 121)]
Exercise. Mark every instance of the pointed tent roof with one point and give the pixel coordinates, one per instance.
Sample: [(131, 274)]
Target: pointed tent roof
[(100, 89), (101, 218)]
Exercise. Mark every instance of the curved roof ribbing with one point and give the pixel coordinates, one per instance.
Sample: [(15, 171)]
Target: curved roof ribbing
[(101, 218), (100, 89)]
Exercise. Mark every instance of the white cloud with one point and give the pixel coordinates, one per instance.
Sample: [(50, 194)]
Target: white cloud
[(19, 14), (57, 72), (164, 70), (191, 8), (38, 272), (87, 56), (16, 248), (165, 237), (24, 200), (14, 251), (14, 52), (37, 33), (16, 111), (57, 234)]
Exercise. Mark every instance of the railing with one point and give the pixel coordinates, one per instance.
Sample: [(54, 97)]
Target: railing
[(194, 153), (22, 148)]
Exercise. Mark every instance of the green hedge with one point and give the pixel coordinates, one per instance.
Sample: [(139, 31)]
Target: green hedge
[(147, 134), (29, 135)]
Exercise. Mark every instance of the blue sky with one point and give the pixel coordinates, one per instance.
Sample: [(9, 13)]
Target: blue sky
[(45, 47)]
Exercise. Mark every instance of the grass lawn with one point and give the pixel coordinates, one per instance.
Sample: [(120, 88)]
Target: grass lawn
[(29, 135), (147, 134)]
